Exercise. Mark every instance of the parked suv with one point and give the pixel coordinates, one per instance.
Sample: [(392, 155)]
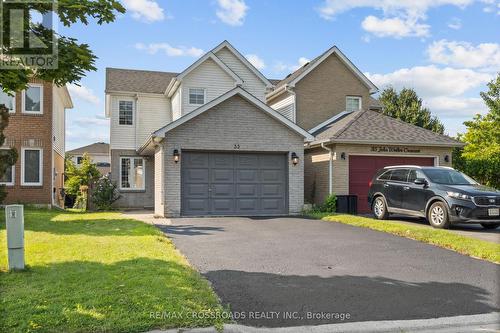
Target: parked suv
[(442, 195)]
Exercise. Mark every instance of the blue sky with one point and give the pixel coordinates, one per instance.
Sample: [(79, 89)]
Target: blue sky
[(446, 49)]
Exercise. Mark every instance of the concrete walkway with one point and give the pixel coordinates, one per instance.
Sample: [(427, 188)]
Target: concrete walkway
[(147, 216), (462, 324)]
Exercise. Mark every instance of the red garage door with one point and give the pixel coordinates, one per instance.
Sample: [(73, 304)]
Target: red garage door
[(363, 168)]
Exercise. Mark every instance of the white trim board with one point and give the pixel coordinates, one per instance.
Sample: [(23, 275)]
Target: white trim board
[(246, 95), (40, 167)]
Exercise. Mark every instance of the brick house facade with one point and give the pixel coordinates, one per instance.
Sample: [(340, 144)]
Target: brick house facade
[(38, 136)]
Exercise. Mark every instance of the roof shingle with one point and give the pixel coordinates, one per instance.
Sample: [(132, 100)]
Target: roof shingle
[(373, 127), (131, 80), (95, 148)]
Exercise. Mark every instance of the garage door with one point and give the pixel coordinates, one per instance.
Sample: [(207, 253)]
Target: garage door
[(233, 184), (363, 168)]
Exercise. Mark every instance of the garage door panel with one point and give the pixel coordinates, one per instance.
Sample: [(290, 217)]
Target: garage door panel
[(196, 175), (234, 184), (271, 175), (363, 168), (196, 190), (222, 190), (196, 160), (243, 190), (247, 175), (271, 190), (222, 175)]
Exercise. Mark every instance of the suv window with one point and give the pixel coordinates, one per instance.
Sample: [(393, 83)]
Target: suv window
[(399, 175), (385, 176), (414, 174)]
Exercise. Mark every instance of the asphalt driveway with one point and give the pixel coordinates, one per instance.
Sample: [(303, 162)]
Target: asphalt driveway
[(293, 271)]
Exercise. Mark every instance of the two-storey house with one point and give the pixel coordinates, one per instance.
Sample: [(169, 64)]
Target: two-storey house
[(203, 141), (37, 131), (219, 138)]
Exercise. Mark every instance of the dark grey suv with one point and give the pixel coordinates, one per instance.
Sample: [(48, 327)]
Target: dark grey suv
[(442, 195)]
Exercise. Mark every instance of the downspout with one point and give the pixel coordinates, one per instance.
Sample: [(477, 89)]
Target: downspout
[(330, 167)]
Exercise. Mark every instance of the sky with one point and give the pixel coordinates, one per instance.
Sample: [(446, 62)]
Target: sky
[(447, 50)]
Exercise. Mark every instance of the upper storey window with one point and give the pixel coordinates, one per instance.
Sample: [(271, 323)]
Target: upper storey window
[(126, 112), (196, 96), (33, 99), (8, 101), (353, 103)]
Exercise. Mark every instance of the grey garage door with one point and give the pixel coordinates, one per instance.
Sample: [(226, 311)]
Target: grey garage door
[(234, 184)]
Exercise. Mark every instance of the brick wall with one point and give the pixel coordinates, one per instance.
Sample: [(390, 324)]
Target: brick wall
[(322, 93), (234, 121), (25, 131)]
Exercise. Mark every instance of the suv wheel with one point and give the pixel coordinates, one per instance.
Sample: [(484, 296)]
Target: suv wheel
[(380, 209), (490, 226), (438, 216)]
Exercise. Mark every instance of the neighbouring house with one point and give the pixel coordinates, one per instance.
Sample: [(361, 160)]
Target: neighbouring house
[(219, 138), (37, 130), (98, 153), (331, 98)]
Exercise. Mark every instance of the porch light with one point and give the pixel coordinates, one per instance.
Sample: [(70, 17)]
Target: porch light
[(176, 156), (342, 156), (446, 158), (295, 159)]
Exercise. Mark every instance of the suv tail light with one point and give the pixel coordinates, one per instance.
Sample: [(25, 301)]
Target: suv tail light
[(370, 183)]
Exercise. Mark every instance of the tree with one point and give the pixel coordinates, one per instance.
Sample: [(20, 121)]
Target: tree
[(78, 176), (74, 59), (480, 158), (407, 106)]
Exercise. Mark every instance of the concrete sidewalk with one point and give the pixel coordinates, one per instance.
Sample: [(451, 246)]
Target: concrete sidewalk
[(462, 324)]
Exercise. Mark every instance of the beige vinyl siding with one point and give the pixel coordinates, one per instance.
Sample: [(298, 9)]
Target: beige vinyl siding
[(152, 113), (251, 82), (286, 107), (158, 181), (121, 136), (210, 77), (176, 104), (58, 121)]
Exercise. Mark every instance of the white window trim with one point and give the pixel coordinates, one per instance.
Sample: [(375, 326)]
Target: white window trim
[(204, 96), (359, 98), (133, 112), (40, 167), (13, 104), (143, 188), (13, 167), (23, 107)]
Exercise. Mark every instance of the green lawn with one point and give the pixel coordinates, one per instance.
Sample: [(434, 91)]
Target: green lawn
[(100, 272), (466, 245)]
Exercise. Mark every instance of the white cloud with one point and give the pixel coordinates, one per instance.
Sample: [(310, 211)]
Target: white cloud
[(147, 10), (463, 54), (403, 18), (456, 107), (394, 27), (169, 50), (431, 81), (455, 23), (83, 93), (280, 66), (256, 61), (232, 12)]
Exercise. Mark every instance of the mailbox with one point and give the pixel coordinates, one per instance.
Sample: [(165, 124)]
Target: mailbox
[(14, 217)]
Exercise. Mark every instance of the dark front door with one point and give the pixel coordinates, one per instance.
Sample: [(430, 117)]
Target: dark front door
[(233, 184)]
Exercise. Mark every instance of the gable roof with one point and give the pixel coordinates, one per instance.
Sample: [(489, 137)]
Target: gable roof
[(247, 96), (300, 73), (371, 127), (95, 148), (244, 60), (131, 80)]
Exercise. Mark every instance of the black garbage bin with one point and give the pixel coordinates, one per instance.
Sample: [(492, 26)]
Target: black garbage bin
[(347, 204)]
